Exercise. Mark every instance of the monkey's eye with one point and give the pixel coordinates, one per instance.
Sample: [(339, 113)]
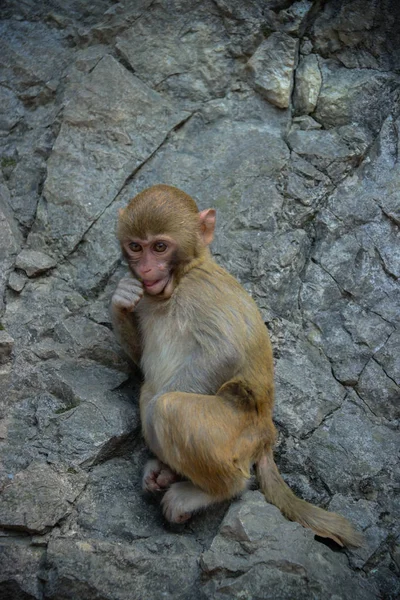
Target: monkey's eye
[(135, 247), (160, 247)]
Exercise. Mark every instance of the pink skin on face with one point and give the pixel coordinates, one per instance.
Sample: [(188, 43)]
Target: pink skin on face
[(150, 260)]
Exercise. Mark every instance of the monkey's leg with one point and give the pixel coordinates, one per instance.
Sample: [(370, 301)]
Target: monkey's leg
[(183, 499), (157, 476), (206, 439)]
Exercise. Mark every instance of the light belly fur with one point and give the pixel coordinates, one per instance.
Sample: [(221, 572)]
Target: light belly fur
[(166, 346)]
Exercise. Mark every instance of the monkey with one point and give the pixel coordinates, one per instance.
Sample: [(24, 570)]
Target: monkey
[(208, 392)]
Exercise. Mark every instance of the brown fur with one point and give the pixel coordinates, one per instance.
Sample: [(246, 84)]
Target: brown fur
[(206, 404)]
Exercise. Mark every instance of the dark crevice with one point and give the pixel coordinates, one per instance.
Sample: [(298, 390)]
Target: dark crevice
[(116, 448), (124, 62), (328, 415), (365, 403), (391, 218), (385, 267), (165, 141), (383, 369)]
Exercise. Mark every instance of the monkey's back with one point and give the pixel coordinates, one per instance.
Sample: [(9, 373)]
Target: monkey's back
[(220, 310)]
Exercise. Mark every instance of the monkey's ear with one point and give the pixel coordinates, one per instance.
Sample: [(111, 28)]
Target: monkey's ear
[(121, 212), (207, 224)]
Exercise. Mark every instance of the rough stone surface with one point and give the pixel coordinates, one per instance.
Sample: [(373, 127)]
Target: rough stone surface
[(180, 52), (16, 281), (271, 68), (10, 240), (20, 565), (6, 346), (36, 499), (308, 85), (160, 567), (285, 117), (34, 263), (247, 553), (343, 98), (109, 108)]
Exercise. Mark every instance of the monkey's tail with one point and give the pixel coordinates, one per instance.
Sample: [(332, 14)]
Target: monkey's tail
[(322, 522)]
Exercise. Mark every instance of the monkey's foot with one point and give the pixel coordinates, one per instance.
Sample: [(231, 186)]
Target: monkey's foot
[(182, 500), (157, 476)]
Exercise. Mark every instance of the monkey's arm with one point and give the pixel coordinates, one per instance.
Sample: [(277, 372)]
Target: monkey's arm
[(127, 333), (124, 321)]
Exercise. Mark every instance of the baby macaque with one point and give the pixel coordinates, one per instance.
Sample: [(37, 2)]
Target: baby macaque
[(207, 398)]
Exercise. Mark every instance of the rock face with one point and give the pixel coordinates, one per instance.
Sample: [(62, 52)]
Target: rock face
[(284, 116), (272, 67)]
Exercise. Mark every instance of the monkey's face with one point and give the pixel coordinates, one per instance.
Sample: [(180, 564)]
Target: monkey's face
[(151, 260)]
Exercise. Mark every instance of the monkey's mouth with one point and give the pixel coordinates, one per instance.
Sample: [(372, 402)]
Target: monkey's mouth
[(155, 287), (150, 284)]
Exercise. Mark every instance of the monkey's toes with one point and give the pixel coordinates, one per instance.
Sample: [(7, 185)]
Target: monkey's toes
[(173, 508), (182, 518), (152, 470), (150, 483), (174, 515), (158, 476), (166, 477)]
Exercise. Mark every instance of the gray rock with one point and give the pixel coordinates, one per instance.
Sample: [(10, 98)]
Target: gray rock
[(306, 47), (6, 346), (87, 58), (334, 152), (26, 180), (11, 109), (359, 34), (112, 571), (354, 96), (357, 268), (20, 566), (10, 240), (379, 392), (256, 542), (293, 19), (37, 498), (34, 263), (89, 340), (308, 84), (103, 141), (32, 53), (42, 304), (305, 123), (58, 13), (16, 282), (110, 21), (302, 375), (271, 68), (276, 271), (347, 334), (389, 357), (183, 56), (90, 420), (351, 439), (10, 236), (305, 188)]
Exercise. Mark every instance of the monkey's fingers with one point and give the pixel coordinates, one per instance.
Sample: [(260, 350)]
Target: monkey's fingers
[(122, 292), (130, 283), (123, 300)]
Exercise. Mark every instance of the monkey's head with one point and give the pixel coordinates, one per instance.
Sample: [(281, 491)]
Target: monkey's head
[(161, 232)]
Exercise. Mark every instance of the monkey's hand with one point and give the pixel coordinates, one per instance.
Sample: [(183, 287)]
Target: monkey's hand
[(127, 295)]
